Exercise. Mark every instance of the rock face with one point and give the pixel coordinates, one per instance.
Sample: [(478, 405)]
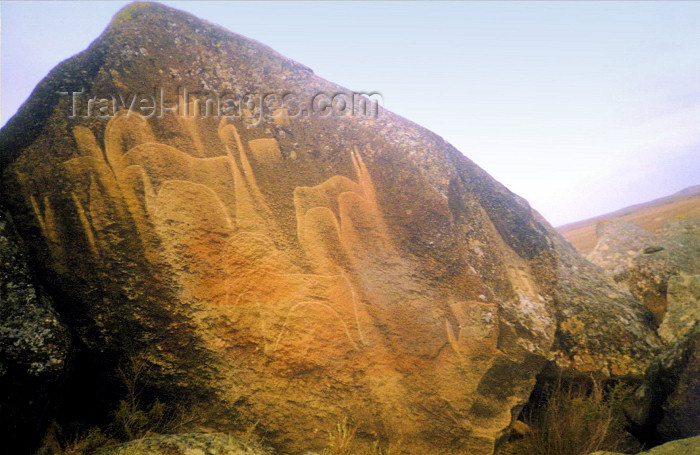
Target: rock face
[(664, 273), (601, 328), (34, 346), (666, 277), (678, 271), (299, 270), (677, 382), (618, 243)]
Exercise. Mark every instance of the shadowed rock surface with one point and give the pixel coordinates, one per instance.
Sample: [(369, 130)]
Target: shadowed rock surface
[(34, 346), (679, 376), (667, 405), (187, 444), (299, 271), (665, 274)]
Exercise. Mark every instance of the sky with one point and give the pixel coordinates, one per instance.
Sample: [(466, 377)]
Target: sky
[(580, 107)]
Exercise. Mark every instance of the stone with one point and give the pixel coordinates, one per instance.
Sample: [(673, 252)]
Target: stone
[(34, 346), (689, 446), (675, 382), (295, 271), (666, 277), (618, 242), (187, 444), (662, 271), (667, 280), (602, 329)]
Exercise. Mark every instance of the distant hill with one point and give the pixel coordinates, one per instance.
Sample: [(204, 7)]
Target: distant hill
[(649, 215)]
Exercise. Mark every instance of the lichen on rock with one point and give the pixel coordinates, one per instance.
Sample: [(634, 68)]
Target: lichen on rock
[(34, 345)]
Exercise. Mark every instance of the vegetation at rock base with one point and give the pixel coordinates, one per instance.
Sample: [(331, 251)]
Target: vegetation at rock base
[(342, 441), (132, 419), (576, 419), (339, 442), (565, 419)]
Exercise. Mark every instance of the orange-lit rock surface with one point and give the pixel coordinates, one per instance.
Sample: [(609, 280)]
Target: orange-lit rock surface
[(300, 271)]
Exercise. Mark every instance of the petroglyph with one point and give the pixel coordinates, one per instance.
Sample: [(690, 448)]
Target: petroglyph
[(87, 227), (46, 220), (476, 332), (274, 273), (338, 222), (212, 226), (266, 151)]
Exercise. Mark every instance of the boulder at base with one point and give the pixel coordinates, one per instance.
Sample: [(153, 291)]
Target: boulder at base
[(187, 444), (689, 446)]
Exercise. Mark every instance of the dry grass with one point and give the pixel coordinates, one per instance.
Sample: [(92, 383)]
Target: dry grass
[(395, 448), (131, 420), (343, 441), (340, 440), (577, 420)]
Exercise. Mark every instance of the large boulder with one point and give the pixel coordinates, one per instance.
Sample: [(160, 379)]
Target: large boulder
[(601, 328), (667, 277), (294, 270), (618, 242), (34, 346)]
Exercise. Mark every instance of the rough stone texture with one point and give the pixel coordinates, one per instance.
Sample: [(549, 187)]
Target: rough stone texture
[(682, 238), (674, 384), (300, 271), (34, 346), (665, 275), (683, 306), (647, 279), (618, 243), (601, 328), (187, 444), (689, 446), (668, 280)]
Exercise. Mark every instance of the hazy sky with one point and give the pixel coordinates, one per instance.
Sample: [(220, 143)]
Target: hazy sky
[(581, 108)]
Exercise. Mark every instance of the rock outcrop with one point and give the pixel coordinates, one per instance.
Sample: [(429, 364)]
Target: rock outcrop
[(650, 216), (34, 346), (298, 270), (664, 273), (602, 329), (618, 243)]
